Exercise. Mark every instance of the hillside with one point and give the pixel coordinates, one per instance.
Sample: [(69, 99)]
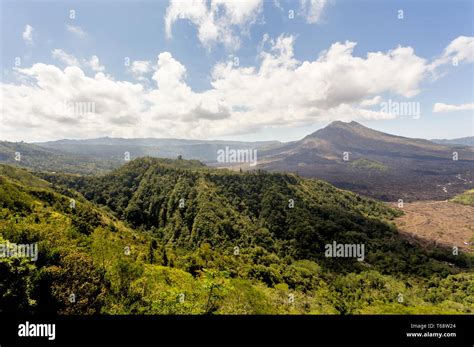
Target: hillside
[(187, 204), (80, 248), (380, 165), (234, 246), (243, 208), (27, 155)]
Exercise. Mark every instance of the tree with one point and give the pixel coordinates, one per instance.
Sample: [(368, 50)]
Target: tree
[(16, 285), (77, 285)]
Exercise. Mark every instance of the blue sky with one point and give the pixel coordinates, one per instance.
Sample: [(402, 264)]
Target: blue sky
[(227, 105)]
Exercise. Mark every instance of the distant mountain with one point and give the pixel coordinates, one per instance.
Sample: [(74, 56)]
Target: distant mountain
[(348, 155), (104, 154), (462, 141), (373, 163), (51, 159), (114, 148)]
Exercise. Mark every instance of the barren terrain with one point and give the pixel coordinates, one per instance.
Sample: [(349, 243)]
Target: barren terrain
[(438, 223)]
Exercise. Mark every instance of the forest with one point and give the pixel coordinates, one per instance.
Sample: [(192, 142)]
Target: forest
[(162, 236)]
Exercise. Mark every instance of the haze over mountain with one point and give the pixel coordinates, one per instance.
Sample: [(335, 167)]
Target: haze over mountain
[(114, 148), (103, 154)]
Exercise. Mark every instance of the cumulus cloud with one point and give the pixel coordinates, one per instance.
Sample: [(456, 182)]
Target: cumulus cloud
[(217, 21), (28, 34), (440, 107), (76, 30), (140, 68), (45, 104), (170, 73), (280, 91)]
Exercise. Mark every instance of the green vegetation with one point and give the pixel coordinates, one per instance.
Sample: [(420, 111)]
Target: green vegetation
[(466, 198), (175, 237), (367, 164)]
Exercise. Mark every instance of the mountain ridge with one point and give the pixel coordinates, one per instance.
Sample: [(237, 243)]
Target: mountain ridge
[(410, 169), (347, 154)]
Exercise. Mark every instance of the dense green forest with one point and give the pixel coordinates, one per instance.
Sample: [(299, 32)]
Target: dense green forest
[(160, 236)]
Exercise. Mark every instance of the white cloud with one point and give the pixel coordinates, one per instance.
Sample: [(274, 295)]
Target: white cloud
[(440, 107), (223, 21), (280, 91), (376, 100), (140, 69), (76, 30), (460, 50), (217, 21), (28, 34), (170, 73), (41, 105), (69, 60), (94, 64), (312, 9), (65, 58)]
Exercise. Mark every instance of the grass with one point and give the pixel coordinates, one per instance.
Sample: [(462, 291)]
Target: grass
[(466, 198)]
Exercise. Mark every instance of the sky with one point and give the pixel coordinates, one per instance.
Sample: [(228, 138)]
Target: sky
[(241, 70)]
